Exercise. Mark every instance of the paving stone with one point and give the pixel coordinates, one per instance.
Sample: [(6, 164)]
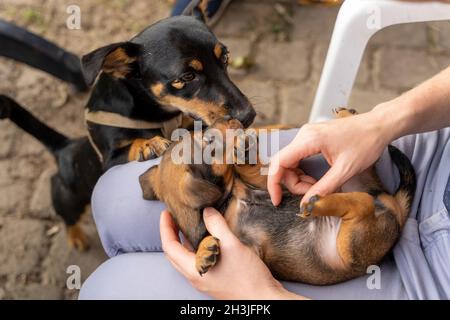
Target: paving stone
[(61, 256), (402, 35), (442, 31), (6, 137), (40, 203), (14, 197), (364, 100), (22, 245), (296, 102), (33, 291), (5, 173), (282, 60), (26, 145), (243, 19), (238, 48), (405, 68), (263, 96), (308, 26)]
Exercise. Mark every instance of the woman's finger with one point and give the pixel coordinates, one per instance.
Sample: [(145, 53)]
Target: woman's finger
[(274, 182), (329, 183), (182, 259), (217, 226), (297, 184)]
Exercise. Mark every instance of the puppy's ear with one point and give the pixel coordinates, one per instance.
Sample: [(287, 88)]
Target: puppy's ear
[(117, 59), (197, 9), (147, 180)]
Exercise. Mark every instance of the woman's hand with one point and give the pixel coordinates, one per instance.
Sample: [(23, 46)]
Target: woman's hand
[(349, 145), (239, 273)]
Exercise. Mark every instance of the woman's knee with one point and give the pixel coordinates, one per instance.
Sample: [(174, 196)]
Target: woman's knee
[(124, 220)]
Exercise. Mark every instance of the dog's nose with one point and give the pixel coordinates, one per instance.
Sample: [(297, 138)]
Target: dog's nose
[(247, 117)]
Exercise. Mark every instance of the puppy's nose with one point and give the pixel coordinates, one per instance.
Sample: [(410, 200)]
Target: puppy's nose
[(246, 116)]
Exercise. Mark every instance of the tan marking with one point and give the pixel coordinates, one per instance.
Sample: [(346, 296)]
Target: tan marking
[(117, 63), (203, 6), (218, 50), (135, 149), (177, 84), (77, 238), (207, 111), (145, 149), (196, 65), (157, 89)]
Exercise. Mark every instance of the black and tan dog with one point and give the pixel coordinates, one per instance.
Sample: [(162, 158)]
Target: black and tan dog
[(171, 73), (328, 240)]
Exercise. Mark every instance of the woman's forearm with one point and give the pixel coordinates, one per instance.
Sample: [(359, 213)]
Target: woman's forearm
[(424, 108)]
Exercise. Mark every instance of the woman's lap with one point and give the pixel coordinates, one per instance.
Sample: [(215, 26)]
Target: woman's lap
[(129, 224)]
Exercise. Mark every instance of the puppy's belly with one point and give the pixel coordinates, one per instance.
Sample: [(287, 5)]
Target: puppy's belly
[(327, 229)]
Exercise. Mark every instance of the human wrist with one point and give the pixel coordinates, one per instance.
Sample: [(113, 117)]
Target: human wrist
[(394, 119), (278, 292)]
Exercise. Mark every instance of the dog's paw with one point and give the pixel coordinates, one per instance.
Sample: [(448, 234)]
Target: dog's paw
[(207, 254), (306, 209), (77, 238), (146, 149), (153, 148), (342, 112), (246, 147)]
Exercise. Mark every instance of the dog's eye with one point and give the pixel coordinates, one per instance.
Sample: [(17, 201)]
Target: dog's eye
[(187, 77)]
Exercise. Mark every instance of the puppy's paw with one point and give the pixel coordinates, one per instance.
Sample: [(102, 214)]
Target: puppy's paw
[(146, 149), (342, 112), (307, 209), (207, 254), (77, 238), (246, 147)]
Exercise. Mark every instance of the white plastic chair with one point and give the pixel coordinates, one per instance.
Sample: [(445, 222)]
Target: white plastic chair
[(357, 22)]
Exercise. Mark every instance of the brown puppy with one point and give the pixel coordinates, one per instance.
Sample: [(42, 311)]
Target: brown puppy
[(331, 239)]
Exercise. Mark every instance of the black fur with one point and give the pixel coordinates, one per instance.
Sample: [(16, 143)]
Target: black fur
[(407, 173)]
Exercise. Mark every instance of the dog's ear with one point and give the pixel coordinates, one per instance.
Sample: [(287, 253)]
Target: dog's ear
[(117, 59), (146, 180), (197, 9)]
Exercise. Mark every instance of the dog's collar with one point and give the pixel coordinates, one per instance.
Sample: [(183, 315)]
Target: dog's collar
[(111, 119), (117, 120)]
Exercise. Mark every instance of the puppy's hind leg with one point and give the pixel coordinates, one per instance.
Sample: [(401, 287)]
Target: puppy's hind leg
[(367, 231)]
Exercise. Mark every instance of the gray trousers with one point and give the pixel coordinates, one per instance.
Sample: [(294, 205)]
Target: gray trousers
[(417, 268)]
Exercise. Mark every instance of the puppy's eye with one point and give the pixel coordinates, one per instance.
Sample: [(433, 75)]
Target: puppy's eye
[(187, 77)]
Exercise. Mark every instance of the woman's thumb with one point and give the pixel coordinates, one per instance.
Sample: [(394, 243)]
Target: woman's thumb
[(216, 225)]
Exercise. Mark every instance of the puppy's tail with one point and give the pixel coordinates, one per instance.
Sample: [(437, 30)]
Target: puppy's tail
[(50, 138), (407, 188)]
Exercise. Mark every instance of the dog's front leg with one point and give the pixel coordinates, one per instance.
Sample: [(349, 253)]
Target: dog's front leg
[(146, 149)]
